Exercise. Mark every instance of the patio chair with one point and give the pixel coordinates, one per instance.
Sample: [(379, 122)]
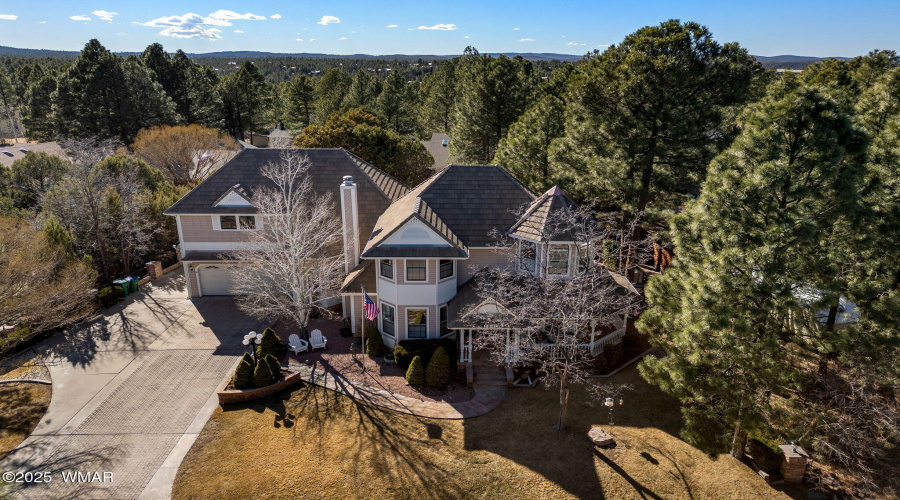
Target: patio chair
[(297, 344), (317, 340)]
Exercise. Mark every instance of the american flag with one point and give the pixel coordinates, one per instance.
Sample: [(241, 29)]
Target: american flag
[(371, 309)]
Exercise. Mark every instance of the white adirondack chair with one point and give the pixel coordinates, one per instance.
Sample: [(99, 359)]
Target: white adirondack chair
[(297, 344), (317, 340)]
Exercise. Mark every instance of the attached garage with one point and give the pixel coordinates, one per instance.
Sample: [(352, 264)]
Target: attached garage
[(216, 279)]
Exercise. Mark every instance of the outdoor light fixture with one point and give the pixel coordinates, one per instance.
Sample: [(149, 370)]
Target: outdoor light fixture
[(609, 402)]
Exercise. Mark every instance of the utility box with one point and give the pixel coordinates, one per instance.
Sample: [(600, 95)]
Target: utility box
[(794, 464)]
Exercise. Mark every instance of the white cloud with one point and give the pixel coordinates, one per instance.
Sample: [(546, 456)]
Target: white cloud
[(275, 16), (440, 27), (312, 39), (229, 15), (299, 39), (80, 18), (43, 22), (195, 32), (526, 39), (515, 29), (238, 31), (8, 17), (604, 46), (104, 15), (391, 26), (467, 36), (326, 20), (342, 38), (575, 43)]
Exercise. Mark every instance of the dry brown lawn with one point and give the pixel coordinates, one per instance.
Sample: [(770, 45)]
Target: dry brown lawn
[(21, 407), (314, 443)]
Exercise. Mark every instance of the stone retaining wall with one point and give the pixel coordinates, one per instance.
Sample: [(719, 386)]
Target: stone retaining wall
[(243, 395)]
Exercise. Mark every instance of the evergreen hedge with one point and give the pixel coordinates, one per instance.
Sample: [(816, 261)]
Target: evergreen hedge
[(270, 344), (274, 365), (262, 375), (415, 375), (243, 375), (375, 343), (406, 350), (438, 372)]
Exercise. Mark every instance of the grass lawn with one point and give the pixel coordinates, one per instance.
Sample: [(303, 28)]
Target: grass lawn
[(314, 443), (21, 407)]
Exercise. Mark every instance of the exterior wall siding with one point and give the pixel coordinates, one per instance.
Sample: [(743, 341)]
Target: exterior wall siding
[(199, 228), (480, 258)]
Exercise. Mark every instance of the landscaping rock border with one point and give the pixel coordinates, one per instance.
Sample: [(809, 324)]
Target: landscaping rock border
[(227, 396)]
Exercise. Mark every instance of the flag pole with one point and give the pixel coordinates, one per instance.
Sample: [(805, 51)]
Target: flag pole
[(362, 333)]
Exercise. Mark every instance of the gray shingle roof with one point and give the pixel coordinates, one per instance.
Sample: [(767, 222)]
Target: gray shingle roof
[(363, 275), (534, 222), (375, 189)]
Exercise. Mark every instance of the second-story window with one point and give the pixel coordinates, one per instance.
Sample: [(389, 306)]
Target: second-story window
[(228, 221), (558, 262), (446, 269), (387, 268), (415, 270), (237, 222), (527, 256), (247, 222)]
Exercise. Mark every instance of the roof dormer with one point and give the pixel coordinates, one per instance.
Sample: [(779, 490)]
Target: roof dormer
[(236, 196)]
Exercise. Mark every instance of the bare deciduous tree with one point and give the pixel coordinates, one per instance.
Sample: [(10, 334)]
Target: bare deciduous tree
[(294, 260), (546, 319), (39, 287), (184, 153)]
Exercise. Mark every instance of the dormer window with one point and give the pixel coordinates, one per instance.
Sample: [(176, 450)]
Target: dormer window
[(236, 222), (228, 221), (558, 262)]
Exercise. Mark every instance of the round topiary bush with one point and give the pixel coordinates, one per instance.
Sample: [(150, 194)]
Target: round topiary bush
[(375, 343), (243, 375), (270, 344), (438, 372), (262, 375), (274, 365), (401, 356), (415, 375)]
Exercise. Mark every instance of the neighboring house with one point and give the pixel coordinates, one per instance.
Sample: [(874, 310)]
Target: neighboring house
[(439, 147), (11, 153), (414, 252)]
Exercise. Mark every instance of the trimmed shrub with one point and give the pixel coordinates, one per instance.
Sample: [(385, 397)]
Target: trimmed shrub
[(765, 453), (109, 296), (415, 375), (274, 365), (438, 372), (375, 343), (262, 375), (424, 348), (270, 344), (243, 375)]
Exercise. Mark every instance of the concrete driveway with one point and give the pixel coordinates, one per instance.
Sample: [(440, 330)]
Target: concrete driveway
[(131, 391)]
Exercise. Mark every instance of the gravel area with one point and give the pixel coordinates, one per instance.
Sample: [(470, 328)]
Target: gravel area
[(336, 359)]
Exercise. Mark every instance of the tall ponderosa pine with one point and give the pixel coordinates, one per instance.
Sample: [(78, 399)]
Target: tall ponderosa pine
[(330, 93), (300, 100), (363, 91), (737, 312), (439, 97), (525, 150), (647, 115), (103, 95), (396, 103), (245, 96), (36, 116), (492, 94)]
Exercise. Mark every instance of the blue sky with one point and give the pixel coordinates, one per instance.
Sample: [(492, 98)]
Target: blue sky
[(765, 27)]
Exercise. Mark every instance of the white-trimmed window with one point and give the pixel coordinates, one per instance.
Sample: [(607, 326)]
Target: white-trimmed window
[(387, 268), (446, 268), (527, 256), (416, 323), (235, 222), (444, 318), (415, 270), (558, 261), (387, 319)]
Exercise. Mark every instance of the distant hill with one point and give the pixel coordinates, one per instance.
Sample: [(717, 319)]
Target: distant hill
[(793, 62), (250, 54)]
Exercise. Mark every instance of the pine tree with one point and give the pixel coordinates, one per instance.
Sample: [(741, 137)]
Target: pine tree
[(395, 104), (363, 90), (262, 375), (36, 116), (735, 313), (439, 101), (525, 151), (415, 375), (300, 100), (330, 93), (438, 372), (270, 344)]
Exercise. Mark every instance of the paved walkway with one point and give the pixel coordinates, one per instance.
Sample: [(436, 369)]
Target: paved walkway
[(132, 389), (485, 400)]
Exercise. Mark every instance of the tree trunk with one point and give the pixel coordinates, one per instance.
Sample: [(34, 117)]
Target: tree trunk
[(563, 401), (739, 441), (829, 326)]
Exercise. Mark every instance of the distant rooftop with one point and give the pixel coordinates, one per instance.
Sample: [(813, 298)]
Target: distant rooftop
[(13, 152)]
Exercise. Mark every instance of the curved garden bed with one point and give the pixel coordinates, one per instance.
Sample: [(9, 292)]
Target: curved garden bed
[(227, 395)]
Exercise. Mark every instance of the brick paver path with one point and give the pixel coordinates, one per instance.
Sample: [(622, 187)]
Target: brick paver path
[(131, 391), (485, 400)]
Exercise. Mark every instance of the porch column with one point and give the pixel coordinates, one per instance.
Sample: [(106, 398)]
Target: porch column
[(462, 345)]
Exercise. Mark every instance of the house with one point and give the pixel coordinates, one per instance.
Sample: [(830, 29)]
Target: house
[(413, 251)]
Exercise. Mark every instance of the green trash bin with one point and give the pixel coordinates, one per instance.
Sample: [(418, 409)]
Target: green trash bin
[(133, 283), (125, 284)]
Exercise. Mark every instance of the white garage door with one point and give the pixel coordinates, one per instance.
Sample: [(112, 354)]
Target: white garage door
[(215, 280)]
